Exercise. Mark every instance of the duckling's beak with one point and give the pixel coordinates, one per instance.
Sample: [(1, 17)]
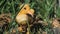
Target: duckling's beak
[(31, 12)]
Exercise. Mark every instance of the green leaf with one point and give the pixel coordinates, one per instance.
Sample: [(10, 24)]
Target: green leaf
[(58, 13)]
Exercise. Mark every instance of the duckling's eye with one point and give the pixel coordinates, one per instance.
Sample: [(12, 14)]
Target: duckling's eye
[(25, 8)]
